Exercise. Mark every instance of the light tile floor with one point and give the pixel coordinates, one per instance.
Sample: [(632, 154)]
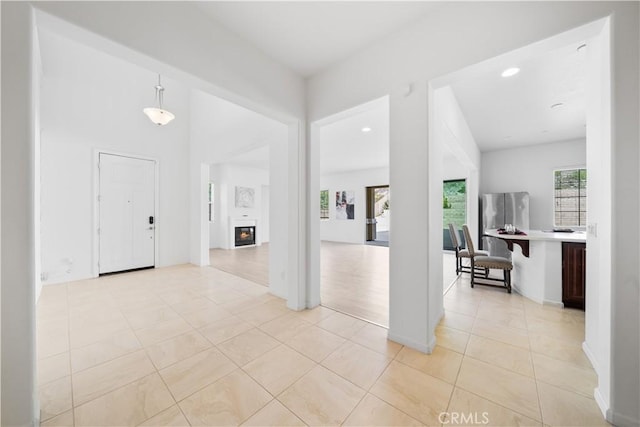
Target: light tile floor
[(197, 346)]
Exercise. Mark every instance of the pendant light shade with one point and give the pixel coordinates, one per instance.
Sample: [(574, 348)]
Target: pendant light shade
[(158, 115)]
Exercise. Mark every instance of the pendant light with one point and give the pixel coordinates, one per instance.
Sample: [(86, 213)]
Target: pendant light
[(158, 115)]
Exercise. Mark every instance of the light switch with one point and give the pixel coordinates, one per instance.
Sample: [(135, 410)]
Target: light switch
[(593, 229)]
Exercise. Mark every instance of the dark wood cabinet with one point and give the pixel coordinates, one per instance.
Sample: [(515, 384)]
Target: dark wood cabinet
[(573, 274)]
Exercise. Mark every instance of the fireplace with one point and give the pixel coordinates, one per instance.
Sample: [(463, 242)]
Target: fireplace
[(245, 235)]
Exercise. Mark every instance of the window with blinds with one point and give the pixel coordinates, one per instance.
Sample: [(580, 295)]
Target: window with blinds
[(570, 198)]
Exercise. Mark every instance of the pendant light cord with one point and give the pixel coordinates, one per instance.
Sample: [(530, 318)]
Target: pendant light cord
[(159, 92)]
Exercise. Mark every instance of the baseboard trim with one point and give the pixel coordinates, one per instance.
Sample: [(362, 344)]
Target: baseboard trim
[(517, 290), (613, 417), (36, 409), (278, 294), (623, 420), (590, 356), (424, 348), (604, 406), (553, 303)]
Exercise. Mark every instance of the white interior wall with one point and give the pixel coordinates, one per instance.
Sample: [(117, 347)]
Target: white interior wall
[(37, 211), (453, 132), (483, 21), (625, 231), (1, 221), (531, 169), (280, 264), (220, 63), (598, 263), (74, 107), (228, 177), (217, 239), (281, 142), (349, 231), (480, 31), (265, 214), (18, 371), (216, 60), (200, 50), (199, 220)]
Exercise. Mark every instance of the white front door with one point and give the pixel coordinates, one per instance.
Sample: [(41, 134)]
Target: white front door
[(126, 213)]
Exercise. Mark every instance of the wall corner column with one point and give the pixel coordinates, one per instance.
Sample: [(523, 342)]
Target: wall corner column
[(19, 394), (411, 285)]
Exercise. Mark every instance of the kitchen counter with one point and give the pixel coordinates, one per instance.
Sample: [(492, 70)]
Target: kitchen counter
[(576, 236), (537, 266)]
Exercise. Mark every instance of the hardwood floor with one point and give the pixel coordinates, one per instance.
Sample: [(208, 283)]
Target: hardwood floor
[(250, 263), (354, 278)]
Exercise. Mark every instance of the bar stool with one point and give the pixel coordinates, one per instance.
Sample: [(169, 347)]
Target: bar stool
[(488, 263), (462, 253)]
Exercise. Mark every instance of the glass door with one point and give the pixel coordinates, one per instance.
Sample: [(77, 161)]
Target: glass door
[(454, 209)]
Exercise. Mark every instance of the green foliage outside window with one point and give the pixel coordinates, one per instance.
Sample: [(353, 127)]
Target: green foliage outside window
[(445, 203), (324, 204), (454, 202)]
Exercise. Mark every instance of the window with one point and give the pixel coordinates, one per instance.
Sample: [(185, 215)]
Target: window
[(454, 202), (570, 204), (324, 204), (211, 189), (454, 208)]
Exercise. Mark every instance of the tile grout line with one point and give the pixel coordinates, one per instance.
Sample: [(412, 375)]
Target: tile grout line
[(319, 363), (73, 403), (157, 371), (534, 370), (531, 361), (367, 391), (395, 359), (143, 348)]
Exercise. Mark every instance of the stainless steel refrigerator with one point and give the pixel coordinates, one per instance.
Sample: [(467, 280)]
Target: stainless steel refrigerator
[(499, 209)]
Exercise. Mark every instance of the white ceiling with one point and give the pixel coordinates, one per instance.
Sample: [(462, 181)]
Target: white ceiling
[(258, 158), (501, 112), (344, 147), (233, 133), (309, 36), (515, 111)]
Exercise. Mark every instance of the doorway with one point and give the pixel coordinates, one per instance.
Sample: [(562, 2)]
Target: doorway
[(377, 222), (454, 210), (126, 213)]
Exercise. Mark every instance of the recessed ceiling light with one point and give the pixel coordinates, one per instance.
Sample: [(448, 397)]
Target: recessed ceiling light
[(510, 72), (582, 47), (506, 138), (557, 105), (366, 129)]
